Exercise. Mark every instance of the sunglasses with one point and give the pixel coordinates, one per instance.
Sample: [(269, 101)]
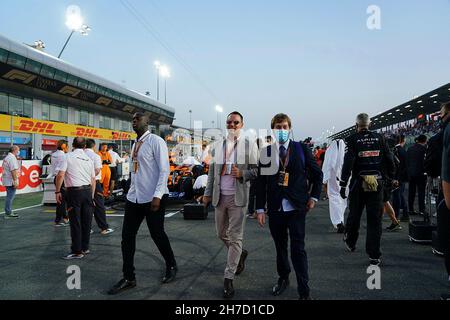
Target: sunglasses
[(233, 122)]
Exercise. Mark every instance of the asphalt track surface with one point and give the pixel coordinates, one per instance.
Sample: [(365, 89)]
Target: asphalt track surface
[(31, 266)]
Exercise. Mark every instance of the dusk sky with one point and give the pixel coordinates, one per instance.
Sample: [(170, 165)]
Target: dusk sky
[(317, 61)]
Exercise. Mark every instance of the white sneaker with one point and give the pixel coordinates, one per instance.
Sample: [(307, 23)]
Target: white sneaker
[(72, 256), (107, 231)]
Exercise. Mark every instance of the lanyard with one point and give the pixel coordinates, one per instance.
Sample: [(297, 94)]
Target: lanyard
[(138, 146), (285, 163), (228, 154)]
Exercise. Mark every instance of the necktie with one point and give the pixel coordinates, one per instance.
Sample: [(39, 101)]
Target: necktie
[(283, 153)]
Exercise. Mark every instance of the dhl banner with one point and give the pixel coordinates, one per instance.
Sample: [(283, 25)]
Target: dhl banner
[(29, 178), (50, 128)]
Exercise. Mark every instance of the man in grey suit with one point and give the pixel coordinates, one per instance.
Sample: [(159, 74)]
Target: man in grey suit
[(234, 163)]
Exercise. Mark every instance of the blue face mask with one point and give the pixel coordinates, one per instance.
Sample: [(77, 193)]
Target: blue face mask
[(281, 136)]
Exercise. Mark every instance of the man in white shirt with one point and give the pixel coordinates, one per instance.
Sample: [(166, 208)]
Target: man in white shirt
[(61, 219), (77, 171), (116, 159), (99, 200), (146, 200), (10, 179)]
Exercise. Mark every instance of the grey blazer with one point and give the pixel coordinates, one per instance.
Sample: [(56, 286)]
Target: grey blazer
[(247, 163)]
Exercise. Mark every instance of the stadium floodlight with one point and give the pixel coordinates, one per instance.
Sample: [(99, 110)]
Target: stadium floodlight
[(75, 23)]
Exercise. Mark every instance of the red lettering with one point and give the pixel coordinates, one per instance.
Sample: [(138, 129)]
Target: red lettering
[(26, 125)]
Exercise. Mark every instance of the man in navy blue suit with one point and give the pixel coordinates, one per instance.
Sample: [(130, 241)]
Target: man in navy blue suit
[(290, 182)]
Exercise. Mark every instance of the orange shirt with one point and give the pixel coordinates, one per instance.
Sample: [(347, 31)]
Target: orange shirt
[(105, 156)]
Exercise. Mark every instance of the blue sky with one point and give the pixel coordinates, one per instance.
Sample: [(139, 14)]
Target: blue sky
[(314, 60)]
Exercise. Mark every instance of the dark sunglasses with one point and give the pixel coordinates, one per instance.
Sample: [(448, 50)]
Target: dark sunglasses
[(233, 122)]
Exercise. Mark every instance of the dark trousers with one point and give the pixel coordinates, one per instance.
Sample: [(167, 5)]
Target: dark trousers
[(398, 200), (80, 207), (280, 225), (134, 215), (419, 184), (373, 202), (61, 209), (443, 229), (99, 210), (252, 198)]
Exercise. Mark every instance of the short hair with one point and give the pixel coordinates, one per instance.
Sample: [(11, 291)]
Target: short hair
[(13, 148), (90, 143), (268, 138), (281, 117), (363, 120), (421, 139), (400, 138), (79, 143), (237, 114), (103, 144), (60, 144), (446, 107)]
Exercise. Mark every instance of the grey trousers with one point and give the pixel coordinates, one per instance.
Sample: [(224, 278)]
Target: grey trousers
[(230, 222)]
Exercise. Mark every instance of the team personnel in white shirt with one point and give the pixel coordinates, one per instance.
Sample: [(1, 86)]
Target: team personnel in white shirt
[(77, 171), (61, 219), (146, 200), (116, 159), (10, 179), (99, 200)]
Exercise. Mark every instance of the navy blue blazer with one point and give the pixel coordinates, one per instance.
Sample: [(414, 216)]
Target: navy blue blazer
[(305, 180)]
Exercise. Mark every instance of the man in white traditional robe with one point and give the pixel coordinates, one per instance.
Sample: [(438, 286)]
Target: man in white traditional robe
[(332, 166)]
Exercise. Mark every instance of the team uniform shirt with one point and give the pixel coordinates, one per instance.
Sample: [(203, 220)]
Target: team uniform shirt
[(10, 163), (97, 162), (115, 158), (57, 159), (79, 169), (151, 156)]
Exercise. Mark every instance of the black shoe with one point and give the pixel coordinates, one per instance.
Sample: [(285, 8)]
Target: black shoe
[(375, 262), (170, 274), (228, 290), (280, 286), (305, 297), (394, 227), (349, 247), (340, 228), (122, 285), (241, 266)]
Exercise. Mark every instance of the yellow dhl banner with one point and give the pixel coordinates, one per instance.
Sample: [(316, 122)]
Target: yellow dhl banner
[(50, 128)]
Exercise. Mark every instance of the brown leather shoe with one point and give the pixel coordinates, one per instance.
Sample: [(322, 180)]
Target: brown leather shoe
[(241, 266)]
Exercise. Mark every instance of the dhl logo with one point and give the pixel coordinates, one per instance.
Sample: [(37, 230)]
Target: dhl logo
[(86, 132), (38, 127), (121, 136)]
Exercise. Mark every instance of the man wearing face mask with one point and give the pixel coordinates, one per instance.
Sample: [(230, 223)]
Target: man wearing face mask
[(369, 160), (287, 170), (234, 163)]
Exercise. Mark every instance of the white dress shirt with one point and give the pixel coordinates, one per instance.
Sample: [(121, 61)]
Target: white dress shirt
[(10, 163), (78, 168), (150, 180), (57, 159), (115, 158), (95, 157)]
